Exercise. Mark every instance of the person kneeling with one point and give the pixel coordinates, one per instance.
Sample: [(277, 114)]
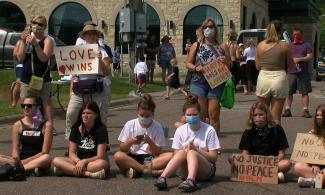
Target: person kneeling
[(142, 138), (196, 147), (87, 147), (264, 138)]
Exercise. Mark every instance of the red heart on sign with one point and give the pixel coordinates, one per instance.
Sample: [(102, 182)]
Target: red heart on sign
[(62, 69)]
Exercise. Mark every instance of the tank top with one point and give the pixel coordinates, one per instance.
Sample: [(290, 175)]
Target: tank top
[(273, 59), (39, 67), (31, 140)]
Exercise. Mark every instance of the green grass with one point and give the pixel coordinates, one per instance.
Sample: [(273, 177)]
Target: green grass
[(120, 89)]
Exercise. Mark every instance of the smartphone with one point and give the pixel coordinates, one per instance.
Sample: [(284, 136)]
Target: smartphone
[(140, 137), (28, 29)]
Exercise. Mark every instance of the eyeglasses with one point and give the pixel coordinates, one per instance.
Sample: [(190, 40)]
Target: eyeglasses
[(38, 23), (29, 106)]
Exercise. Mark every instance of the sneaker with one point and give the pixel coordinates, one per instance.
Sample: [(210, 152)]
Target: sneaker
[(130, 173), (287, 113), (306, 113), (188, 185), (161, 183), (306, 182), (99, 174), (281, 177)]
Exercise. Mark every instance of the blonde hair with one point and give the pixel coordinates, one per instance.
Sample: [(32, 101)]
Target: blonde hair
[(272, 32), (261, 106), (204, 25), (232, 35), (173, 61), (199, 35), (42, 19)]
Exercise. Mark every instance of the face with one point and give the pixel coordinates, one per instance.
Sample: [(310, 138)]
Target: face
[(88, 116), (29, 107), (319, 117), (91, 37), (191, 112), (259, 113), (210, 25), (38, 26), (145, 113)]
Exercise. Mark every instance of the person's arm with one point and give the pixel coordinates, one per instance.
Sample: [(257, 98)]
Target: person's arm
[(101, 150), (45, 53), (281, 154), (210, 155), (170, 76), (190, 59), (125, 146), (307, 58), (257, 58), (16, 130), (155, 150), (71, 85), (227, 54)]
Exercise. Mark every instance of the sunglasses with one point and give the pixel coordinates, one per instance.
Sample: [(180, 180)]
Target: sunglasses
[(29, 106), (38, 23)]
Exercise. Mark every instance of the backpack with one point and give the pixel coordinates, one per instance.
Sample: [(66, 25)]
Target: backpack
[(228, 95)]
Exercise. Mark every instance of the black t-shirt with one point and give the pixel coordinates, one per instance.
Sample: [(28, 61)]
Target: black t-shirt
[(266, 145), (87, 144), (151, 55)]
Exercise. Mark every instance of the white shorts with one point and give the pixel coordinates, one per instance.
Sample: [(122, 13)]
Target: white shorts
[(272, 84)]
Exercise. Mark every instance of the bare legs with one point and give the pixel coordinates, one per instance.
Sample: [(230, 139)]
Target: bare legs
[(276, 107)]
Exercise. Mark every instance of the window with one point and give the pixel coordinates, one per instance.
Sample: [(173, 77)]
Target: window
[(194, 19), (66, 21), (11, 16)]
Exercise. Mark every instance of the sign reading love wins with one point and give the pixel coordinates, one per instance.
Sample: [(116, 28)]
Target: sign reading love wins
[(80, 59)]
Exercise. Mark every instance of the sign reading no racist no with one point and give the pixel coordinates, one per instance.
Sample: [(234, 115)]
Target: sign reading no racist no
[(80, 59)]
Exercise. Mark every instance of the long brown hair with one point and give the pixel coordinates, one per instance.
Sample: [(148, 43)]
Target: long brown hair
[(147, 103), (319, 130), (204, 25), (261, 106), (191, 101)]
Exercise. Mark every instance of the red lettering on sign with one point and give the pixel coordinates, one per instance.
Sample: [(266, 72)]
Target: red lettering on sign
[(90, 52), (61, 57)]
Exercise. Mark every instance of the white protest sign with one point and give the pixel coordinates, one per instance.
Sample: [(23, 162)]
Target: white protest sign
[(216, 73), (309, 148), (80, 59), (255, 169)]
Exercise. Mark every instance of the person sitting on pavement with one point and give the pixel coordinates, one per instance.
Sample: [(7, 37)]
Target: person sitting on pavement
[(264, 137), (87, 147), (141, 138), (196, 148), (308, 172), (140, 71), (32, 139)]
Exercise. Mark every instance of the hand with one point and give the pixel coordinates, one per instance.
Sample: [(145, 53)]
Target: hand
[(199, 68), (222, 59), (134, 140), (23, 36), (296, 60), (315, 169), (147, 139), (79, 167), (32, 40)]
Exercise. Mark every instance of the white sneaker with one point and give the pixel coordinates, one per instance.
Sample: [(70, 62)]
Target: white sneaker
[(281, 177), (306, 182), (130, 173), (99, 174)]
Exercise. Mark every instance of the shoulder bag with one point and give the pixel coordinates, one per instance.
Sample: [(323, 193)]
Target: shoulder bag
[(189, 73)]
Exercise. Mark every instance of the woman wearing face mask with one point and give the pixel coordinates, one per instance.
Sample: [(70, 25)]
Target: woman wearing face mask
[(141, 138), (196, 147), (308, 172), (208, 50), (31, 141), (265, 138)]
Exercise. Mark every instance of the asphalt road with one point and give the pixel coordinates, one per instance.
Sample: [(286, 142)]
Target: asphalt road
[(167, 112)]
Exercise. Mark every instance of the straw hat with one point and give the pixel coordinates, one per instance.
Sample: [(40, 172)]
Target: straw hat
[(88, 28)]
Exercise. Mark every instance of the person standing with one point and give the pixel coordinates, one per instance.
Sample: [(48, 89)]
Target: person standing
[(251, 72), (242, 64), (299, 77), (152, 50), (116, 60), (165, 54), (233, 47), (140, 71), (35, 63)]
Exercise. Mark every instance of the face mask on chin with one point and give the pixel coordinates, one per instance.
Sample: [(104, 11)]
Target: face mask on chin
[(144, 120), (209, 32)]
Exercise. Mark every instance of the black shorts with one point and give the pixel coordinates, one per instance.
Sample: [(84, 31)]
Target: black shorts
[(251, 72), (299, 82), (139, 157), (116, 66)]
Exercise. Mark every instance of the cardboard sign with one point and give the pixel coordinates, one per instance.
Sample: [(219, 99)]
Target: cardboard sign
[(80, 59), (255, 169), (309, 148), (216, 73)]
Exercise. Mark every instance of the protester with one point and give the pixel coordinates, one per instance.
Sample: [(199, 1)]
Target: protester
[(151, 50), (116, 60), (15, 89), (108, 50), (233, 47), (242, 64), (196, 144), (251, 72), (42, 49), (209, 49), (141, 138), (265, 138), (308, 172), (165, 53), (173, 79), (87, 147), (81, 41), (31, 139), (90, 87), (272, 59), (299, 77), (140, 71)]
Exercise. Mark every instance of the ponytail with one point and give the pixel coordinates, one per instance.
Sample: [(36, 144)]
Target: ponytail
[(147, 103)]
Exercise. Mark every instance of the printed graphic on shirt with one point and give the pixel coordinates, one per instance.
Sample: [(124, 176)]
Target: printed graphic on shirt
[(31, 133), (87, 143)]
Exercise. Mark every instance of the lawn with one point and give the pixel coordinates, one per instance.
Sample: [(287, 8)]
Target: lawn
[(120, 89)]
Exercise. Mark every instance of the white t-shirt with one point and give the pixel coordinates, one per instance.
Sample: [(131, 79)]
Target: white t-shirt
[(140, 68), (250, 53), (204, 138), (133, 128), (80, 41)]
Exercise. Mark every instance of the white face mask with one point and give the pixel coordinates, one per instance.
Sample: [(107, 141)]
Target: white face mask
[(209, 32), (101, 42), (144, 120)]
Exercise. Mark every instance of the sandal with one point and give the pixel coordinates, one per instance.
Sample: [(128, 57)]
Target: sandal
[(189, 185), (161, 183)]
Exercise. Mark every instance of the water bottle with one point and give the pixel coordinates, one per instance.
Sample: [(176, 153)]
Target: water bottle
[(147, 167), (28, 47)]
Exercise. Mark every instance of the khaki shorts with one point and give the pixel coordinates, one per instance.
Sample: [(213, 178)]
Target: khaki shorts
[(45, 94), (272, 84)]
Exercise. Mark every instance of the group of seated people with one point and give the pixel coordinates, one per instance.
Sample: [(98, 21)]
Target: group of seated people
[(195, 143)]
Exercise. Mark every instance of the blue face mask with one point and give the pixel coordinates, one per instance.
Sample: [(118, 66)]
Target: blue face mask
[(192, 120), (209, 32)]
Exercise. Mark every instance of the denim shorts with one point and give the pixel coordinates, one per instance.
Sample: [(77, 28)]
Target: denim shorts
[(165, 64), (18, 71), (204, 91)]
